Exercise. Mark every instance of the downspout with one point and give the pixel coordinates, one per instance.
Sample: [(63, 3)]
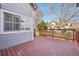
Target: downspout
[(34, 7), (0, 6)]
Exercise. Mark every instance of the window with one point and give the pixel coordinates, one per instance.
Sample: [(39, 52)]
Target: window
[(11, 22), (77, 5), (24, 25)]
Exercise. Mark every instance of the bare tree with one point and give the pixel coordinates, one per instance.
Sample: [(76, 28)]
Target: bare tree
[(67, 12), (52, 8)]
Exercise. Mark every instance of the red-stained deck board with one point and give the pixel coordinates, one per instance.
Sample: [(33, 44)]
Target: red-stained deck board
[(19, 51), (31, 51), (4, 52), (42, 46), (13, 52), (8, 52), (23, 51), (16, 51), (0, 53)]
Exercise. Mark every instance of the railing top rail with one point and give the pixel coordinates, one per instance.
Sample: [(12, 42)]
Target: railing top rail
[(62, 29)]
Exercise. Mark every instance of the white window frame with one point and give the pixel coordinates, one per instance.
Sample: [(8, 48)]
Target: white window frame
[(2, 23), (12, 22)]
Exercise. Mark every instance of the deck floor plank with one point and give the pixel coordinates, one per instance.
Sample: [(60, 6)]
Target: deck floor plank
[(13, 52), (8, 52), (31, 51), (0, 52), (4, 52), (42, 46)]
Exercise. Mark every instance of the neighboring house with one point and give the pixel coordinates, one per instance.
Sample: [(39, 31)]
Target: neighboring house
[(70, 24), (53, 24), (16, 23)]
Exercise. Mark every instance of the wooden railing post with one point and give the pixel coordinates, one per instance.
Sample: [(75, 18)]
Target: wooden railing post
[(52, 34), (73, 35)]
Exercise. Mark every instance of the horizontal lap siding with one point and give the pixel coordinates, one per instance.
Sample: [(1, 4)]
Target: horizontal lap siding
[(8, 40), (0, 19), (12, 39), (20, 8)]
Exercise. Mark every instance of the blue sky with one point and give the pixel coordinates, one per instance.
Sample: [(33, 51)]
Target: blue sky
[(47, 15), (44, 7)]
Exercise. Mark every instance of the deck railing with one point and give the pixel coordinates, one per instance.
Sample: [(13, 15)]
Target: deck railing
[(68, 34)]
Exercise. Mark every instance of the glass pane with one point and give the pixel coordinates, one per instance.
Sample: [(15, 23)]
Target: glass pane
[(22, 26), (21, 21), (7, 27), (7, 17), (16, 19), (77, 4), (27, 28), (11, 22), (16, 26)]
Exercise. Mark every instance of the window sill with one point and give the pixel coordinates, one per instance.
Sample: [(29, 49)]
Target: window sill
[(12, 32)]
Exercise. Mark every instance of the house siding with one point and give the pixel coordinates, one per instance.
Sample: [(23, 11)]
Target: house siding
[(8, 40), (20, 8), (0, 19), (12, 39)]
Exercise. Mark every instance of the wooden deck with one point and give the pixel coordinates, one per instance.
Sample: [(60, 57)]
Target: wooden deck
[(42, 46)]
